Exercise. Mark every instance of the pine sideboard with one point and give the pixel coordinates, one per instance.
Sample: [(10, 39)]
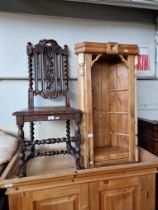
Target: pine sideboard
[(119, 187)]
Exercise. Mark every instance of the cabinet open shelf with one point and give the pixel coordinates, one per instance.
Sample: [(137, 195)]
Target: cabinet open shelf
[(110, 155)]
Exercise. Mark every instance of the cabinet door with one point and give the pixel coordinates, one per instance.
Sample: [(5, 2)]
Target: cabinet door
[(70, 202), (120, 194), (74, 197)]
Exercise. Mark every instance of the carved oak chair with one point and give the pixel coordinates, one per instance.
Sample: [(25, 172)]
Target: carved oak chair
[(49, 78)]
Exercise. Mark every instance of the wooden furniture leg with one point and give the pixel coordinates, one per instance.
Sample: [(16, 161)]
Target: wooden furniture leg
[(32, 149), (78, 144), (70, 149), (22, 168)]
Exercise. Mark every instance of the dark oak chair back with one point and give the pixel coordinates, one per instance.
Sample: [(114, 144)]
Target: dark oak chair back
[(48, 71)]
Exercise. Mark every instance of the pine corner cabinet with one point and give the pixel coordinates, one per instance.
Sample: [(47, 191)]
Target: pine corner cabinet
[(106, 95)]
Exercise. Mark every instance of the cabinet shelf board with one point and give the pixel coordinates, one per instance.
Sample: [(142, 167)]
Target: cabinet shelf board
[(109, 153)]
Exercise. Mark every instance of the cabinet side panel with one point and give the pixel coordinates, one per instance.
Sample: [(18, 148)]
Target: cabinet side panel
[(148, 192), (14, 202), (132, 110), (21, 201)]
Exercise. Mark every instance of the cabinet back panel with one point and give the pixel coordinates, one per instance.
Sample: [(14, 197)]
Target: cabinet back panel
[(110, 104)]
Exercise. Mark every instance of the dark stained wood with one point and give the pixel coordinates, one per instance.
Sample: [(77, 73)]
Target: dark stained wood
[(148, 139), (148, 134), (49, 78), (22, 171), (47, 110), (32, 135)]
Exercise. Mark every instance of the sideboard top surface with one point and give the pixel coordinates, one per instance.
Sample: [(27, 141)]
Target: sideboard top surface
[(148, 165)]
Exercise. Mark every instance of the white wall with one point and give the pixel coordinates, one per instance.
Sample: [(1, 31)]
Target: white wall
[(148, 99), (17, 30)]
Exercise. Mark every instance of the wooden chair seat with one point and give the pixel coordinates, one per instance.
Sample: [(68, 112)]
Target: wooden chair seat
[(47, 114)]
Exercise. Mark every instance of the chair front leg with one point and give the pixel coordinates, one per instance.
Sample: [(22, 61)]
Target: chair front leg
[(21, 147), (70, 148), (78, 144)]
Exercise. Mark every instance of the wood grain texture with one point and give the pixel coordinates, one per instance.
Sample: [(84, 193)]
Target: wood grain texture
[(96, 48), (85, 105), (88, 107), (116, 194), (67, 202), (110, 109), (107, 99), (148, 191), (132, 109), (119, 187), (75, 198), (12, 168), (110, 153)]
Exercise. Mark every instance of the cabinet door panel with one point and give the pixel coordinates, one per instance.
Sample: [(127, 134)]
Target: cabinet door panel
[(121, 194), (73, 197), (67, 202), (62, 198), (123, 199)]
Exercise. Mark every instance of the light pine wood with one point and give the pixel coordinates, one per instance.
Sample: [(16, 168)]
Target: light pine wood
[(117, 187), (21, 201), (88, 105), (119, 194), (83, 125), (148, 182), (15, 202), (67, 197), (96, 48), (147, 165), (107, 100), (132, 110), (85, 107), (67, 202), (11, 169), (62, 198), (109, 155)]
